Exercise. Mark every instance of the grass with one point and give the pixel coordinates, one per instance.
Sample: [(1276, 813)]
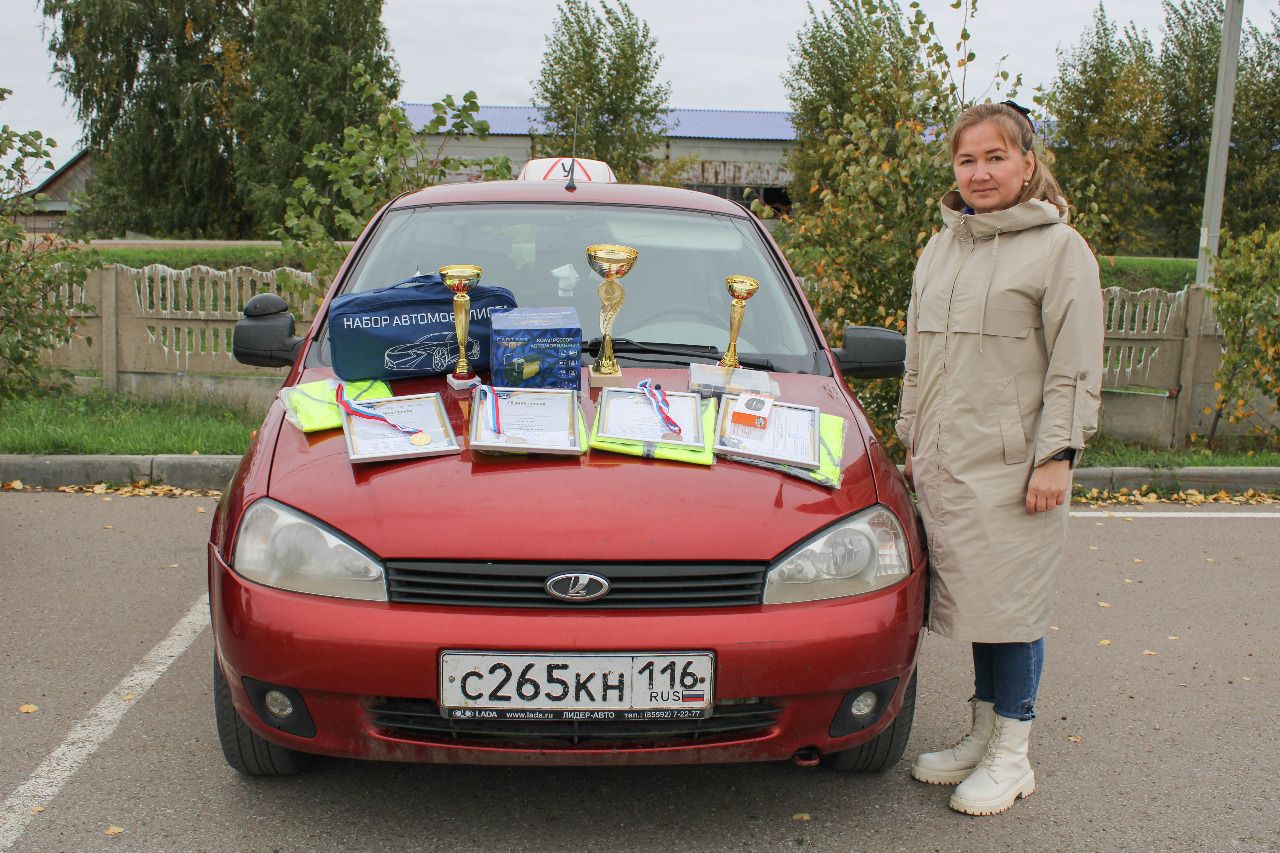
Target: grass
[(69, 423), (1233, 452), (217, 257), (1172, 274)]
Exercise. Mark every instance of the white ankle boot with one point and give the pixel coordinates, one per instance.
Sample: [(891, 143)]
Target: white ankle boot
[(1003, 774), (951, 766)]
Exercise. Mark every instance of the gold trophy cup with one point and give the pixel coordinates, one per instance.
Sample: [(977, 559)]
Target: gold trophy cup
[(741, 288), (459, 278), (612, 262)]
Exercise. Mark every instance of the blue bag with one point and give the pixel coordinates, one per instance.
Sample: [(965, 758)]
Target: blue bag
[(407, 329)]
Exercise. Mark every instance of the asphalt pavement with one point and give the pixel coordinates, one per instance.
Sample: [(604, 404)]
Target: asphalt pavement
[(1158, 708)]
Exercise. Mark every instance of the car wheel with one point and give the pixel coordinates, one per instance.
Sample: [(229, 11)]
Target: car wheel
[(243, 749), (886, 749)]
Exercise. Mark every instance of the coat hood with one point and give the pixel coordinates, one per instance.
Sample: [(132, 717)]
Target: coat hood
[(1028, 214)]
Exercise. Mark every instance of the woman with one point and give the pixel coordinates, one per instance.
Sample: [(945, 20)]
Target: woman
[(1004, 366)]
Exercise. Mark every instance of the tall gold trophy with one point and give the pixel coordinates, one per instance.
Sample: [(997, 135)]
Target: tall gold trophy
[(612, 262), (741, 288), (459, 278)]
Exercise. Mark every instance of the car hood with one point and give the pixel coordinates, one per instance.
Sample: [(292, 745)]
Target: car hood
[(598, 507)]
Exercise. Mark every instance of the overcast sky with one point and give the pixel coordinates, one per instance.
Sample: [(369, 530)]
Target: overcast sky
[(728, 54)]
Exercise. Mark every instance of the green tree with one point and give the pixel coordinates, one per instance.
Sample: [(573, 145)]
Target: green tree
[(154, 85), (877, 165), (306, 61), (600, 75), (346, 183), (37, 274), (1108, 105), (1253, 170)]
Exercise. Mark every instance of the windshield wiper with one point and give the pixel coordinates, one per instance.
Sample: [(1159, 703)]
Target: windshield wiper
[(688, 351)]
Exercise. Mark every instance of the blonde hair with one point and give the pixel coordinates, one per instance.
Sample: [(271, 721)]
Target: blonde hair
[(1016, 130)]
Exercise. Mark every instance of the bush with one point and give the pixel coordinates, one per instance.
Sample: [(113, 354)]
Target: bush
[(1246, 299), (37, 274)]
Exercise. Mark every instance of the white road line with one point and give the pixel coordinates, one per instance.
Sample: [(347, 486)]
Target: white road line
[(1187, 514), (83, 740)]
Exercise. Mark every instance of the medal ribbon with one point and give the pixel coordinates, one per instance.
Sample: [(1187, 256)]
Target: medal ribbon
[(483, 393), (356, 410), (661, 405)]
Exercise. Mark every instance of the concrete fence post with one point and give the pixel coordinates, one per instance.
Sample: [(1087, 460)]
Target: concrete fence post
[(1197, 298), (110, 328)]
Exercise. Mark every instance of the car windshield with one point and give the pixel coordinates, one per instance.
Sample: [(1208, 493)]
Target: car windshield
[(675, 293)]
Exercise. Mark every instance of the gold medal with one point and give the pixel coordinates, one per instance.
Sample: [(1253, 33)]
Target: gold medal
[(420, 438)]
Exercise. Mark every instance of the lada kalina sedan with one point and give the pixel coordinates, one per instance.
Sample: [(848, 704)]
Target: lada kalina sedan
[(448, 609)]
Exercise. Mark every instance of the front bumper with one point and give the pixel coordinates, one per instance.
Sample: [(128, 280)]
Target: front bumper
[(351, 661)]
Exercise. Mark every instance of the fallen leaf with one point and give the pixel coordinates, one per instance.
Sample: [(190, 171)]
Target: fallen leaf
[(1149, 653), (16, 485), (1136, 560), (173, 565), (1246, 678), (37, 809), (129, 697), (1155, 727), (106, 527), (1210, 560), (200, 509), (1174, 637), (1128, 580), (28, 709), (803, 817), (99, 489), (1053, 627), (1093, 547), (1103, 604), (1104, 642), (1075, 738), (114, 830)]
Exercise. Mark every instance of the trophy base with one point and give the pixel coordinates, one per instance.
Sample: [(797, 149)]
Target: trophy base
[(607, 380), (462, 383)]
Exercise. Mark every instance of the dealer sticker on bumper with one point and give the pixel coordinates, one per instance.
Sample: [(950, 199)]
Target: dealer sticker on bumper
[(510, 685)]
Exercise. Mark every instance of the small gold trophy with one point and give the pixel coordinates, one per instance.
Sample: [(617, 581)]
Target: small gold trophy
[(612, 262), (459, 278), (741, 288)]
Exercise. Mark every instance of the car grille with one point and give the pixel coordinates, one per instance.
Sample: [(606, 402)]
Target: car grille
[(635, 585), (420, 719)]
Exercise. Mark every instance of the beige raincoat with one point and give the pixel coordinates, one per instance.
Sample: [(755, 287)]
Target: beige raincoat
[(1004, 368)]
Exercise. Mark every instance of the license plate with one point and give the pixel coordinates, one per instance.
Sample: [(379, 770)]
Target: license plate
[(570, 686)]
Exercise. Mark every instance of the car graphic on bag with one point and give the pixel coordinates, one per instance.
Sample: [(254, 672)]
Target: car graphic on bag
[(440, 348)]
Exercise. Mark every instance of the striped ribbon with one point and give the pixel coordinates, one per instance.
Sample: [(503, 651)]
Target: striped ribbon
[(356, 410), (483, 393), (661, 405)]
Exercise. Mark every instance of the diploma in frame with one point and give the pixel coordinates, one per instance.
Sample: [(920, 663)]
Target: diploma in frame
[(628, 414), (791, 437), (371, 440), (526, 420)]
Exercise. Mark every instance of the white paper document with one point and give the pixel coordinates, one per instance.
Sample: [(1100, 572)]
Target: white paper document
[(628, 414), (369, 440), (791, 436), (530, 419)]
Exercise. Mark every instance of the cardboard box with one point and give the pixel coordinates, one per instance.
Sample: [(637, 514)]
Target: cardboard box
[(537, 348)]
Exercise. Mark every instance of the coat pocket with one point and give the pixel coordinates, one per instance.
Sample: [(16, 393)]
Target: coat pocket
[(1011, 322), (1012, 434)]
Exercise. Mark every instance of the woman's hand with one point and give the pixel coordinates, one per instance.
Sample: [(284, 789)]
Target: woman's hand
[(906, 472), (1049, 485)]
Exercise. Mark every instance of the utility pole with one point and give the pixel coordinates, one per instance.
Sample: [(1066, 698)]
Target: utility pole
[(1211, 220)]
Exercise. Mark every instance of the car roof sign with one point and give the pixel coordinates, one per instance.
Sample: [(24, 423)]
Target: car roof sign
[(557, 169)]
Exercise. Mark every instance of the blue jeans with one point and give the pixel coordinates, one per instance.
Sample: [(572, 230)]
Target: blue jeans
[(1008, 674)]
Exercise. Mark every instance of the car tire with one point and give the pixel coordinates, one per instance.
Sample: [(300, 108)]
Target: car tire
[(886, 749), (244, 750)]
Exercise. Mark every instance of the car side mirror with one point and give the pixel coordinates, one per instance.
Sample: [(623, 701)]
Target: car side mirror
[(872, 352), (265, 337)]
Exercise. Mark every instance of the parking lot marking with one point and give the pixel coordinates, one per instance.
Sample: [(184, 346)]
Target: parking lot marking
[(86, 736), (1186, 514)]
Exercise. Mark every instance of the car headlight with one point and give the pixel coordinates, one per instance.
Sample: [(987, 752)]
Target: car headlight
[(280, 547), (861, 554)]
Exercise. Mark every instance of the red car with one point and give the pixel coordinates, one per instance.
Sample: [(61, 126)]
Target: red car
[(448, 609)]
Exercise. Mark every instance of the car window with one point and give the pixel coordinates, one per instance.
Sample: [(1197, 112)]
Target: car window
[(675, 294)]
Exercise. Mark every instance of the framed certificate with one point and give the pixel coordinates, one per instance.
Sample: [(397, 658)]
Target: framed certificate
[(628, 414), (790, 437), (525, 420), (398, 428)]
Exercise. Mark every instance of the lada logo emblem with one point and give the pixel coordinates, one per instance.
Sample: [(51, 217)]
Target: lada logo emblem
[(577, 586)]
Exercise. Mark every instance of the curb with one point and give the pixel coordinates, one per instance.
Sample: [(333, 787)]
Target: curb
[(184, 472), (214, 472)]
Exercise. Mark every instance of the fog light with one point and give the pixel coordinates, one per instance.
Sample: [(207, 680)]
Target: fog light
[(863, 704), (279, 706)]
